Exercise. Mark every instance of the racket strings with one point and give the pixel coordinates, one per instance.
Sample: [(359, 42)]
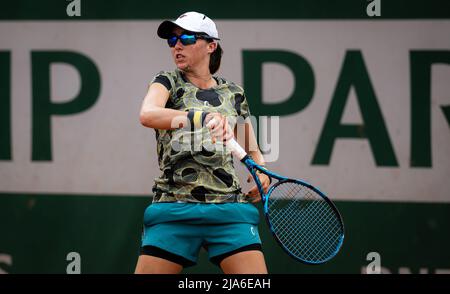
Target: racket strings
[(304, 222), (292, 236), (295, 235)]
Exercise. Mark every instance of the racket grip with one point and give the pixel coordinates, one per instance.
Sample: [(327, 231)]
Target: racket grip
[(234, 146), (236, 149)]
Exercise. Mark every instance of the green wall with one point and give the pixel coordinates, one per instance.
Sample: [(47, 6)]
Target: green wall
[(38, 231)]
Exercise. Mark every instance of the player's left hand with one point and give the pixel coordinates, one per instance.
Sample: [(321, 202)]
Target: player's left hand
[(253, 194)]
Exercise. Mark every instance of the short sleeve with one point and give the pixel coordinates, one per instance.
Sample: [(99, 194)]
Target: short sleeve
[(240, 101), (244, 110), (164, 79)]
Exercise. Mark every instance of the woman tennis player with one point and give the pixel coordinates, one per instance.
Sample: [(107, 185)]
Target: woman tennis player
[(198, 200)]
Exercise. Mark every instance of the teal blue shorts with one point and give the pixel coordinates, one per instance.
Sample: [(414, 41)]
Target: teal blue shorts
[(177, 231)]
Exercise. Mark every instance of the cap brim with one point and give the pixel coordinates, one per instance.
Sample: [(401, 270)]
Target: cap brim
[(165, 29)]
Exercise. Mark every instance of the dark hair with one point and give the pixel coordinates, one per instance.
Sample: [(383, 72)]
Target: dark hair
[(214, 59)]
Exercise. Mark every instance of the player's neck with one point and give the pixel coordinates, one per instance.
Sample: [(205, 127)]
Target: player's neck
[(201, 79)]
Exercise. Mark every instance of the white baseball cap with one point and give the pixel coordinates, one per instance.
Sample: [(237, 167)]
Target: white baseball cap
[(191, 21)]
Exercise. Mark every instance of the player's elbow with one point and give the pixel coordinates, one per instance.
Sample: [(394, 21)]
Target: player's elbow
[(147, 118)]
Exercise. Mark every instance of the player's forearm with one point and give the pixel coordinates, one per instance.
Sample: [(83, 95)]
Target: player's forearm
[(163, 118), (257, 157)]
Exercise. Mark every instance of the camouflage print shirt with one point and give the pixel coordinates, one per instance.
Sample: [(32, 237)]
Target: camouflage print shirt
[(192, 169)]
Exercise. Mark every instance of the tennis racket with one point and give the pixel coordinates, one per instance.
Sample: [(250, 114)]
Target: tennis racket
[(304, 222)]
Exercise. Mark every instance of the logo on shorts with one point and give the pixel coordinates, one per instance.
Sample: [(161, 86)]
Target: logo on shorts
[(252, 230)]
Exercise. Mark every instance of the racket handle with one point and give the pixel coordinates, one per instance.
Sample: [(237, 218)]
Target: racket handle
[(234, 146), (236, 149)]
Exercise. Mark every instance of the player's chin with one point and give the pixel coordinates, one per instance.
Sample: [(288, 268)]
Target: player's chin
[(182, 65)]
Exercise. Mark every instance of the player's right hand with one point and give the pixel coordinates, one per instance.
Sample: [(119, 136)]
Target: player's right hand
[(218, 126)]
